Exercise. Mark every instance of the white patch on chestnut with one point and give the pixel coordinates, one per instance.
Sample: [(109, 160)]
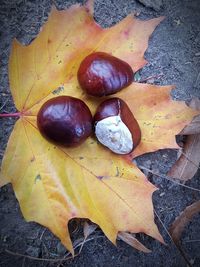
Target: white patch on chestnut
[(114, 134)]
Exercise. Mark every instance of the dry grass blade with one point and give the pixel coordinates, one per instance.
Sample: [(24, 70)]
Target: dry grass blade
[(182, 220), (88, 229), (67, 257), (188, 163), (169, 178), (4, 104), (132, 241)]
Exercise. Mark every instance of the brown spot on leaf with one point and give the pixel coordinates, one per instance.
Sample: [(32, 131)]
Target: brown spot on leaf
[(38, 178), (32, 159), (117, 172), (58, 90)]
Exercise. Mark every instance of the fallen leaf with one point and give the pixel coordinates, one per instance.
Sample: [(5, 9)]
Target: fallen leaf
[(88, 229), (160, 118), (194, 103), (53, 184), (69, 36), (132, 241), (188, 163), (182, 220), (194, 126)]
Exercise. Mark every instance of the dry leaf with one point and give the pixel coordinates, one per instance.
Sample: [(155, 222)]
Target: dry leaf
[(195, 103), (194, 126), (182, 220), (132, 241), (160, 118), (188, 163), (88, 229), (53, 184)]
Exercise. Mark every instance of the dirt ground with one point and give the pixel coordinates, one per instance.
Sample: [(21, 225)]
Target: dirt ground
[(174, 50)]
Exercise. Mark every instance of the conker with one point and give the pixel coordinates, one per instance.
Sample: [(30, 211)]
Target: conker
[(101, 74), (65, 121), (116, 127)]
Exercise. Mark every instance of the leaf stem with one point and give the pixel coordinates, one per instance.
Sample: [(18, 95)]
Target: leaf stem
[(65, 258), (151, 77), (169, 178), (16, 114)]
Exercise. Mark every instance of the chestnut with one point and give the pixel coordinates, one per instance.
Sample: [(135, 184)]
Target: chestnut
[(101, 74), (65, 121), (116, 127)]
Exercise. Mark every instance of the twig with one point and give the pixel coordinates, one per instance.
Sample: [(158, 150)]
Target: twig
[(169, 178), (4, 104), (81, 246), (84, 240), (192, 240), (34, 258), (51, 260), (166, 209), (41, 236), (176, 245), (151, 77)]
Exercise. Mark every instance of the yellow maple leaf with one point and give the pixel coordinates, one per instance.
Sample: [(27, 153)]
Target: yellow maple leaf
[(53, 184)]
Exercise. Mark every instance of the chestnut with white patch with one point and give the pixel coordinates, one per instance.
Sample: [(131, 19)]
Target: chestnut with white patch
[(116, 127)]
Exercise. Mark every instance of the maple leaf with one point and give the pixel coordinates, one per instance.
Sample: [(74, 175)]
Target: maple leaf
[(182, 220), (53, 184)]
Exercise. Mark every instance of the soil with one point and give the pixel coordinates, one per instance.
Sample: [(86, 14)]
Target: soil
[(174, 51)]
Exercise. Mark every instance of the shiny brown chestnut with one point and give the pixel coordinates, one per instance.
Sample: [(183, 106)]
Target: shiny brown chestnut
[(116, 127), (101, 74), (65, 121)]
